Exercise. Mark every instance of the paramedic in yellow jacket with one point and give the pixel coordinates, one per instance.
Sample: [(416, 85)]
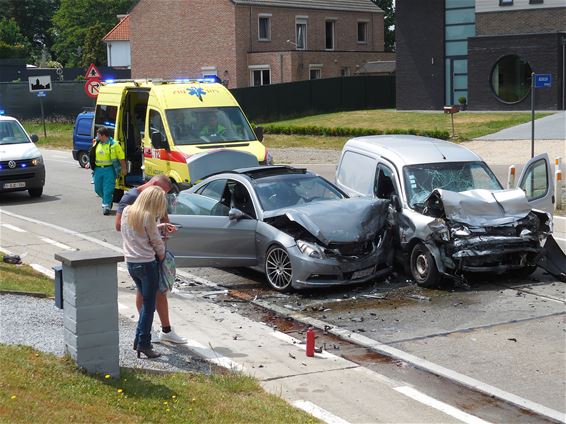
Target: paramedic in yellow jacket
[(107, 151)]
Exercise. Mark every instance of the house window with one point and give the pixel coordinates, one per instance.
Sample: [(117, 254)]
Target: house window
[(536, 1), (511, 79), (209, 71), (315, 73), (264, 28), (362, 32), (345, 72), (301, 33), (260, 76), (505, 2), (329, 35)]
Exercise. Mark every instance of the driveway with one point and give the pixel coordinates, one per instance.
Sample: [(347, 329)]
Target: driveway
[(552, 127)]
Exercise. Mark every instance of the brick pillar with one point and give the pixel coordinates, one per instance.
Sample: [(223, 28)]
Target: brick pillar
[(90, 305)]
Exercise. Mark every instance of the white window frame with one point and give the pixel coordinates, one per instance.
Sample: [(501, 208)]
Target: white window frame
[(208, 70), (268, 17), (333, 21), (301, 20), (366, 35), (253, 68), (315, 67)]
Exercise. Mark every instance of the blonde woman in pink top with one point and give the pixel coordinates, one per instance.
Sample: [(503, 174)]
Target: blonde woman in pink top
[(143, 248)]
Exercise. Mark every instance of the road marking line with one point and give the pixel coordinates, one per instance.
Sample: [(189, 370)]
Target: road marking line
[(441, 406), (45, 271), (318, 412), (56, 243), (14, 228), (6, 251)]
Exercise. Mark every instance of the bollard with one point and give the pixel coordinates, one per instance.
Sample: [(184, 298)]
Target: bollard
[(558, 163), (558, 189), (310, 342), (511, 177), (58, 281), (90, 288)]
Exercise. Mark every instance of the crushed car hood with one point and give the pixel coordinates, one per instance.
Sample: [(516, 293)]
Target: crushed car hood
[(338, 221), (480, 208)]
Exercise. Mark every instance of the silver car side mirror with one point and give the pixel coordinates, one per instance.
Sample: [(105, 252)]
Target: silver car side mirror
[(235, 214)]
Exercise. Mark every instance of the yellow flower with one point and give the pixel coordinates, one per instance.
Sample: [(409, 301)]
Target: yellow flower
[(173, 397), (167, 410), (120, 390), (165, 403), (193, 399), (107, 376), (13, 397), (190, 409)]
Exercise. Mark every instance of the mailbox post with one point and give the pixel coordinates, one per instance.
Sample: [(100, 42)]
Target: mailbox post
[(90, 299), (452, 110)]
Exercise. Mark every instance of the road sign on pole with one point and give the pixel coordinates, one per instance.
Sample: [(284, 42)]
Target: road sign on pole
[(39, 83), (92, 87), (93, 72), (543, 80)]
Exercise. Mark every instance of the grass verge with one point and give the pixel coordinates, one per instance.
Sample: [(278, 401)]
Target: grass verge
[(468, 125), (24, 279), (39, 387), (59, 134)]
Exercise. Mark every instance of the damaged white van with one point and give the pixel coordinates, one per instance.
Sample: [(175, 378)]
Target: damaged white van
[(453, 214)]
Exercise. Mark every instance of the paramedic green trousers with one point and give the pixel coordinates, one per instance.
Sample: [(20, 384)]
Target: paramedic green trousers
[(104, 183)]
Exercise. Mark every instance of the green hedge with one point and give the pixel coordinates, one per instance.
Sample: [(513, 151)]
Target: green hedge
[(8, 51), (350, 132)]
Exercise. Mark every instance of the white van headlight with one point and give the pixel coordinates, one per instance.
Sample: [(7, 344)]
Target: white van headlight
[(37, 161), (310, 249)]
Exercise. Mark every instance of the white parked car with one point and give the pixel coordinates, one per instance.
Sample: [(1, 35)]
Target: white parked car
[(21, 163), (453, 215)]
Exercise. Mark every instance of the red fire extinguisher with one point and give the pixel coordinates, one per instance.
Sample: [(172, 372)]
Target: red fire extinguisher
[(310, 342)]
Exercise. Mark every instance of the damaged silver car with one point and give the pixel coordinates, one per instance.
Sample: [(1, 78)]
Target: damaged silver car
[(291, 224), (453, 215)]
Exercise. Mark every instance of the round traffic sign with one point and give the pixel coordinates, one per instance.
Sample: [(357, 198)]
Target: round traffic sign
[(92, 87)]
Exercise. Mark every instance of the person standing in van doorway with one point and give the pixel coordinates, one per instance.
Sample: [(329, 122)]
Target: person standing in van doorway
[(104, 174), (167, 334)]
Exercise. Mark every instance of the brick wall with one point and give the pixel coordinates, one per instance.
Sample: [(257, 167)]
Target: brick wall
[(176, 38), (521, 21), (543, 52), (419, 34)]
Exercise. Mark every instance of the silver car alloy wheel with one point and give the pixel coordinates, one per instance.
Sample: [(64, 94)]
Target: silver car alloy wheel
[(278, 268)]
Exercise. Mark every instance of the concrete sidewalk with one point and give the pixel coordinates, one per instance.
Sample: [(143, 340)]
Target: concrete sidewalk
[(551, 127)]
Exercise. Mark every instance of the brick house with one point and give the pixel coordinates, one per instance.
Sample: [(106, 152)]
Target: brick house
[(118, 43), (255, 42), (483, 50)]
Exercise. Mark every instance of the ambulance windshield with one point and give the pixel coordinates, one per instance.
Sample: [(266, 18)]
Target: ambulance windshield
[(208, 125)]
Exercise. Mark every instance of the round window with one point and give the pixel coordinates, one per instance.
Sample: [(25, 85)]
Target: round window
[(511, 79)]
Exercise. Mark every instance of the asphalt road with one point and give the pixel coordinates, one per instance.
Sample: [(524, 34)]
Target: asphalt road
[(506, 332)]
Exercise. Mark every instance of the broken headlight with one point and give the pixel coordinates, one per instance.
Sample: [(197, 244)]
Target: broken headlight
[(310, 249), (460, 231), (439, 230)]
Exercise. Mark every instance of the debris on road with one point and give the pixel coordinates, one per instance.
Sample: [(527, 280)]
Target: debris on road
[(420, 297)]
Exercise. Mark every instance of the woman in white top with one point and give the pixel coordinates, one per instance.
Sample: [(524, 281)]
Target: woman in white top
[(143, 249)]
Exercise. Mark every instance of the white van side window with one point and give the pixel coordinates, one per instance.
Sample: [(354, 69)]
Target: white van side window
[(357, 172)]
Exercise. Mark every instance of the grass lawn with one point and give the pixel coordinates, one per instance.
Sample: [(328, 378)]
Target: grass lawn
[(59, 135), (39, 387), (468, 125), (23, 278)]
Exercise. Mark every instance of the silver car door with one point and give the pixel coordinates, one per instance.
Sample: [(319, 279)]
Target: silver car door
[(537, 181)]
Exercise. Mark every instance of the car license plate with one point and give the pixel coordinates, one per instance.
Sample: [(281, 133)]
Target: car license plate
[(363, 273), (14, 185)]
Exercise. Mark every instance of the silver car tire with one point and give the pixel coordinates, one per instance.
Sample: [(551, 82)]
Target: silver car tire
[(423, 267), (278, 269)]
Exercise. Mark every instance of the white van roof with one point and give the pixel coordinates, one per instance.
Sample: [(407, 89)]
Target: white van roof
[(411, 149)]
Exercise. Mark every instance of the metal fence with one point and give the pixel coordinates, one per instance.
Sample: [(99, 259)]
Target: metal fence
[(260, 104)]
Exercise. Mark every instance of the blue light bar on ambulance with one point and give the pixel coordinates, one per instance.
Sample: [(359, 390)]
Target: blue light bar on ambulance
[(2, 112), (109, 81)]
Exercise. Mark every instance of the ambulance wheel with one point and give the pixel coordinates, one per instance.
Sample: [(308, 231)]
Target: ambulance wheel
[(174, 188), (83, 158), (117, 195)]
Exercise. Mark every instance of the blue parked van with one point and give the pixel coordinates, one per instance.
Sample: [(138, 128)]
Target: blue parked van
[(82, 136)]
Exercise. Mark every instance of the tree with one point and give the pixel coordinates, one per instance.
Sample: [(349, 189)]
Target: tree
[(12, 43), (34, 20), (78, 28), (389, 22)]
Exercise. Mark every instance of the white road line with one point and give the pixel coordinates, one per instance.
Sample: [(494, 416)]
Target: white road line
[(45, 271), (441, 406), (13, 228), (318, 412), (6, 251), (56, 243)]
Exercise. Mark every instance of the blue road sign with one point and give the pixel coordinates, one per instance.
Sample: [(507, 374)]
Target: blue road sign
[(543, 80), (41, 94)]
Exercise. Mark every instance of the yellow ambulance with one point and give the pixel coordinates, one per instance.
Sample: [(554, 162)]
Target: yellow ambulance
[(185, 129)]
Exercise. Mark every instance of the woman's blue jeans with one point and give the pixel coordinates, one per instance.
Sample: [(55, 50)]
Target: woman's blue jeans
[(146, 277)]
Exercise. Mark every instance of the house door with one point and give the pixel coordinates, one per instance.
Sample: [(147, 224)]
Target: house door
[(456, 79)]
